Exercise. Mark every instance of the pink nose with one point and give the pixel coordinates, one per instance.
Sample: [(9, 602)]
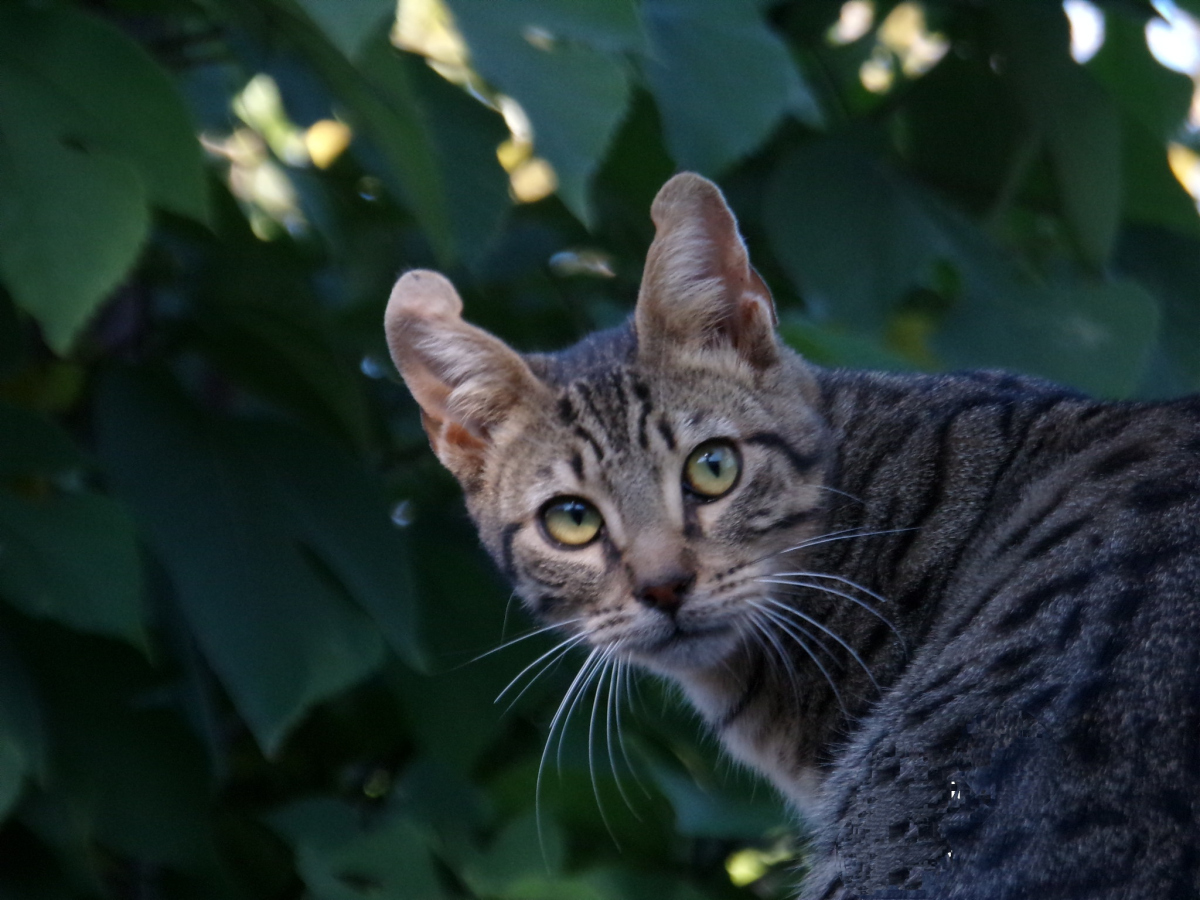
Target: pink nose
[(667, 595)]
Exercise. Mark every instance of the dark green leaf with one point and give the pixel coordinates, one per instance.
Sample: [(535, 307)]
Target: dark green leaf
[(465, 134), (1096, 338), (721, 78), (122, 100), (72, 558), (574, 95), (22, 730), (33, 445), (853, 237), (1074, 117), (279, 631), (339, 860)]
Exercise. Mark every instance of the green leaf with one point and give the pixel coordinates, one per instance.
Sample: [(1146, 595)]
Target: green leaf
[(1155, 96), (33, 445), (395, 130), (22, 730), (72, 214), (721, 78), (1075, 118), (260, 326), (519, 854), (465, 134), (1096, 338), (348, 23), (339, 860), (260, 594), (73, 558), (123, 100), (853, 237), (573, 94)]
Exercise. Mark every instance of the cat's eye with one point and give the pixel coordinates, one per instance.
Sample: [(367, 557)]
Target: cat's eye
[(571, 521), (712, 469)]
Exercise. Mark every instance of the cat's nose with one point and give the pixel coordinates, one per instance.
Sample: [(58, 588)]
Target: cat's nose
[(666, 595)]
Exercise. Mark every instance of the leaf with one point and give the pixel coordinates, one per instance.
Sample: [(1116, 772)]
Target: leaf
[(34, 445), (1096, 338), (339, 860), (22, 730), (73, 216), (126, 776), (73, 558), (123, 100), (257, 322), (395, 131), (573, 94), (269, 614), (465, 134), (1155, 96), (852, 236), (1076, 119), (721, 78), (348, 23)]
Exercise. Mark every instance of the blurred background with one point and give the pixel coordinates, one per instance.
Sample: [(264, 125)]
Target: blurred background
[(243, 616)]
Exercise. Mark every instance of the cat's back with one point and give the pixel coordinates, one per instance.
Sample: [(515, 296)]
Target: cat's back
[(1044, 737)]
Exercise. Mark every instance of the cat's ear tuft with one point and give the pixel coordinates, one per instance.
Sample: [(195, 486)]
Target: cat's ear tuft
[(465, 380), (699, 289)]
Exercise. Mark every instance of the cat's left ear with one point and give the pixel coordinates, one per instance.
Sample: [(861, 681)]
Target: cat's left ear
[(699, 290), (466, 381)]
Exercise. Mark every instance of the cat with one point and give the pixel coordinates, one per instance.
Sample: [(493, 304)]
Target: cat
[(955, 619)]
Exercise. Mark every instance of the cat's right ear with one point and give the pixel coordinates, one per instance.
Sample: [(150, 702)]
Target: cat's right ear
[(465, 380)]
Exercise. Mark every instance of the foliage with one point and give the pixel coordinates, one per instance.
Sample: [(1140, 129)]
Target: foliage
[(239, 599)]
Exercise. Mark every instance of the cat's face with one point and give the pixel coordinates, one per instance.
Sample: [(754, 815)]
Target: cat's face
[(643, 506), (637, 492)]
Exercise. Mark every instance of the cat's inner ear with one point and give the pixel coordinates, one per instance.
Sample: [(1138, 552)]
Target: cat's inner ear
[(699, 289), (465, 380)]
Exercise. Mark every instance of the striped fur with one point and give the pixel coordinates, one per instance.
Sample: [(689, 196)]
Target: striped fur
[(1019, 718)]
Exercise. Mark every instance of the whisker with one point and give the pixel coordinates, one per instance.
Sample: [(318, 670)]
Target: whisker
[(624, 669), (537, 791), (832, 577), (605, 667), (845, 534), (836, 593), (788, 627), (560, 648), (523, 637), (763, 629), (783, 607), (611, 708)]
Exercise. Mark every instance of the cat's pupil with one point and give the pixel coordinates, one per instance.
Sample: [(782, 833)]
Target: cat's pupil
[(576, 512), (713, 461)]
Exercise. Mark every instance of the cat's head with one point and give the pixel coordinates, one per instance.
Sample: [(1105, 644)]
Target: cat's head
[(636, 486)]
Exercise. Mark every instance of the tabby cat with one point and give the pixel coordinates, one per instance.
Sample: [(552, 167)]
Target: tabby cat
[(1019, 718)]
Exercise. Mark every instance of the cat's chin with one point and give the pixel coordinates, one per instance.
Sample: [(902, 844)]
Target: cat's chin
[(686, 650)]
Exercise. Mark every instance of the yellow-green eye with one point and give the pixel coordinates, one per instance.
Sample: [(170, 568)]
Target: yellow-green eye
[(712, 469), (570, 521)]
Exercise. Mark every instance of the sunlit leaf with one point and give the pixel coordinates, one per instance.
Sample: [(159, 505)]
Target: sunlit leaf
[(465, 134), (73, 214), (573, 94), (395, 131)]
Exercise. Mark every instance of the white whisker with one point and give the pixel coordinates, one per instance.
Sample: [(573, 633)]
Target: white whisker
[(783, 607), (790, 629)]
